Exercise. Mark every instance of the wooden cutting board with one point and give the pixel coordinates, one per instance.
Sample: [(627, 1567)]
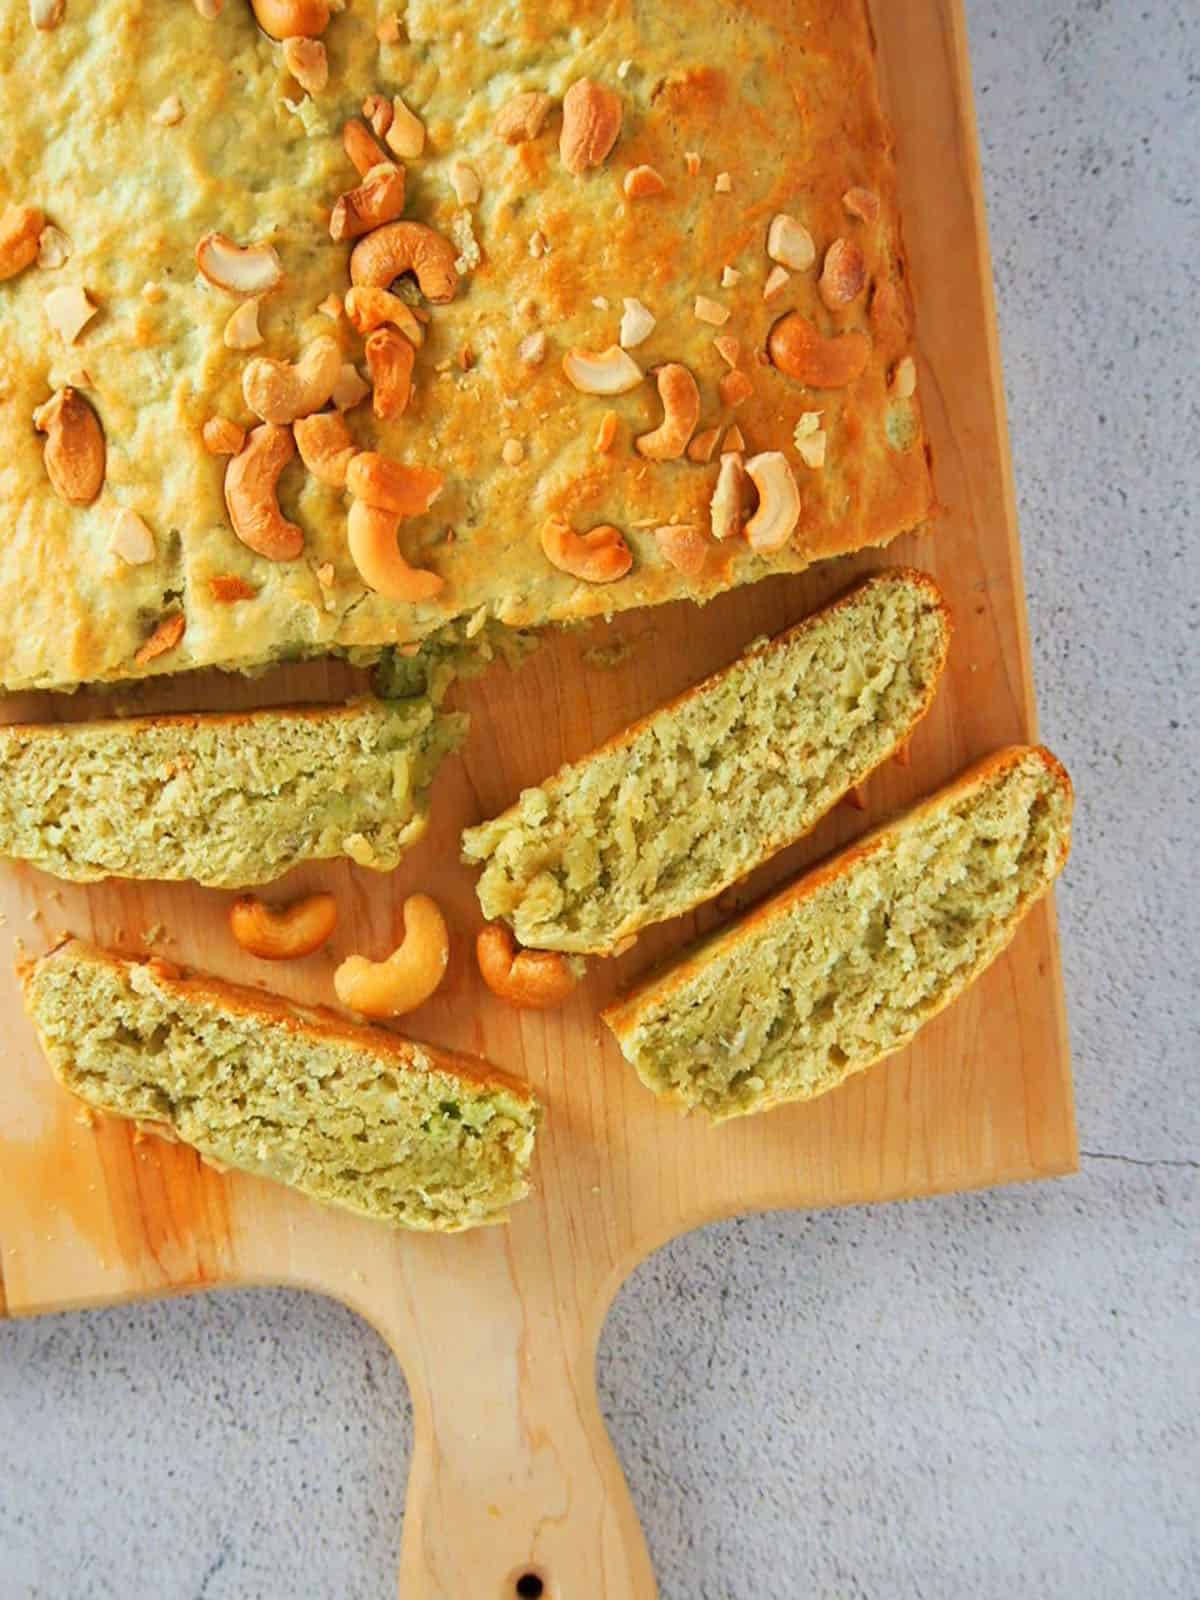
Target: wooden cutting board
[(512, 1471)]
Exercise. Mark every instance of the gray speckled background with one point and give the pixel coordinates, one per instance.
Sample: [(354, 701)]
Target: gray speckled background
[(986, 1396)]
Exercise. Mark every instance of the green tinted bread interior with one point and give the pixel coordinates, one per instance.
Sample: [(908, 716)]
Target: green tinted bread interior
[(684, 803), (225, 800), (846, 965), (349, 1115)]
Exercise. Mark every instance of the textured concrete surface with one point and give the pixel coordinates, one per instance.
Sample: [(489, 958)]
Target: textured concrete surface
[(985, 1396)]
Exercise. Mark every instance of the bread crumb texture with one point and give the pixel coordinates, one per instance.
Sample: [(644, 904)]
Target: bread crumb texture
[(848, 964), (224, 800), (695, 796), (350, 1116)]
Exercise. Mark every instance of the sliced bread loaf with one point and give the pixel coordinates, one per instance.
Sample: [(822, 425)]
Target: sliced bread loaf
[(849, 962), (227, 800), (351, 1116), (683, 803)]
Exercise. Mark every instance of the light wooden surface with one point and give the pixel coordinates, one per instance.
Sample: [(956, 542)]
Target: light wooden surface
[(496, 1331)]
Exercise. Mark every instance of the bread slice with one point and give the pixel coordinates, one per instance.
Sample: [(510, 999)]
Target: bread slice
[(349, 1115), (848, 963), (225, 800), (683, 803)]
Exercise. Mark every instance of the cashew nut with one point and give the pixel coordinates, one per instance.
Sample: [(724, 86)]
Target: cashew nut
[(637, 323), (410, 974), (325, 446), (521, 117), (862, 203), (307, 62), (734, 388), (406, 131), (20, 229), (284, 933), (681, 412), (242, 269), (609, 371), (280, 392), (725, 508), (74, 453), (684, 546), (392, 485), (390, 360), (369, 309), (363, 151), (599, 556), (400, 247), (801, 352), (844, 275), (591, 123), (222, 437), (778, 512), (291, 19), (371, 535), (790, 243), (250, 480), (703, 444), (535, 980), (644, 183), (378, 199)]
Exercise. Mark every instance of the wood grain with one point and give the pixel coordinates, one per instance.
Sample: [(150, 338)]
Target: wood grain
[(497, 1331)]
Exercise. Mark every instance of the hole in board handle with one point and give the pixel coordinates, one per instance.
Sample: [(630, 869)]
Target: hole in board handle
[(529, 1587)]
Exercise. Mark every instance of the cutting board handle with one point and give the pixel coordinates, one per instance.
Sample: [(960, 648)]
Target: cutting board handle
[(515, 1491)]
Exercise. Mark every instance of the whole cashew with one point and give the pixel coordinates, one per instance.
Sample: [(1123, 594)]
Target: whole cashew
[(283, 933), (774, 522), (75, 455), (390, 360), (800, 351), (378, 199), (400, 247), (325, 446), (393, 485), (291, 19), (280, 392), (599, 556), (250, 480), (371, 535), (535, 980), (681, 412), (20, 229), (410, 974)]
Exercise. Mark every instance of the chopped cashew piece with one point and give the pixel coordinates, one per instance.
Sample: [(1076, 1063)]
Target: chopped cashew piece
[(684, 547), (728, 348), (279, 391), (703, 444), (54, 249), (591, 124), (637, 323), (292, 19), (464, 180), (222, 437), (74, 453), (521, 118), (210, 10), (513, 452), (377, 109), (725, 508), (242, 269), (283, 933), (722, 183), (734, 388), (606, 433), (390, 359), (862, 203), (20, 229), (534, 980), (532, 349), (406, 135), (778, 511), (131, 539), (904, 378), (409, 976), (790, 243), (609, 371), (681, 412), (379, 198), (730, 277), (250, 480), (46, 14), (325, 446), (599, 556), (364, 153), (710, 311), (242, 330), (369, 309), (68, 311), (400, 247), (691, 160), (778, 278), (733, 439), (331, 307), (393, 486), (351, 389), (170, 112), (307, 62), (810, 439), (165, 637), (371, 535), (227, 589), (797, 349), (844, 275), (644, 183)]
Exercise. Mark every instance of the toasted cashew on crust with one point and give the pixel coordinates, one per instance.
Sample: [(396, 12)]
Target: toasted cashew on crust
[(250, 480), (681, 412), (393, 486), (291, 19), (409, 975), (378, 199), (281, 391), (325, 446), (390, 360), (535, 980), (75, 455), (599, 556), (283, 933), (797, 349), (371, 535), (400, 247), (20, 229)]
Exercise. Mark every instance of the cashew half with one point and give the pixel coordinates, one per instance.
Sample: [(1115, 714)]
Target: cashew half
[(291, 19), (410, 974), (280, 392), (250, 480), (393, 485), (242, 269), (369, 309), (844, 274), (797, 349), (725, 508), (325, 446), (378, 199), (283, 933), (371, 535), (390, 360), (535, 980), (20, 229), (400, 247), (74, 454), (778, 512), (599, 556), (590, 125), (681, 412), (609, 371)]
